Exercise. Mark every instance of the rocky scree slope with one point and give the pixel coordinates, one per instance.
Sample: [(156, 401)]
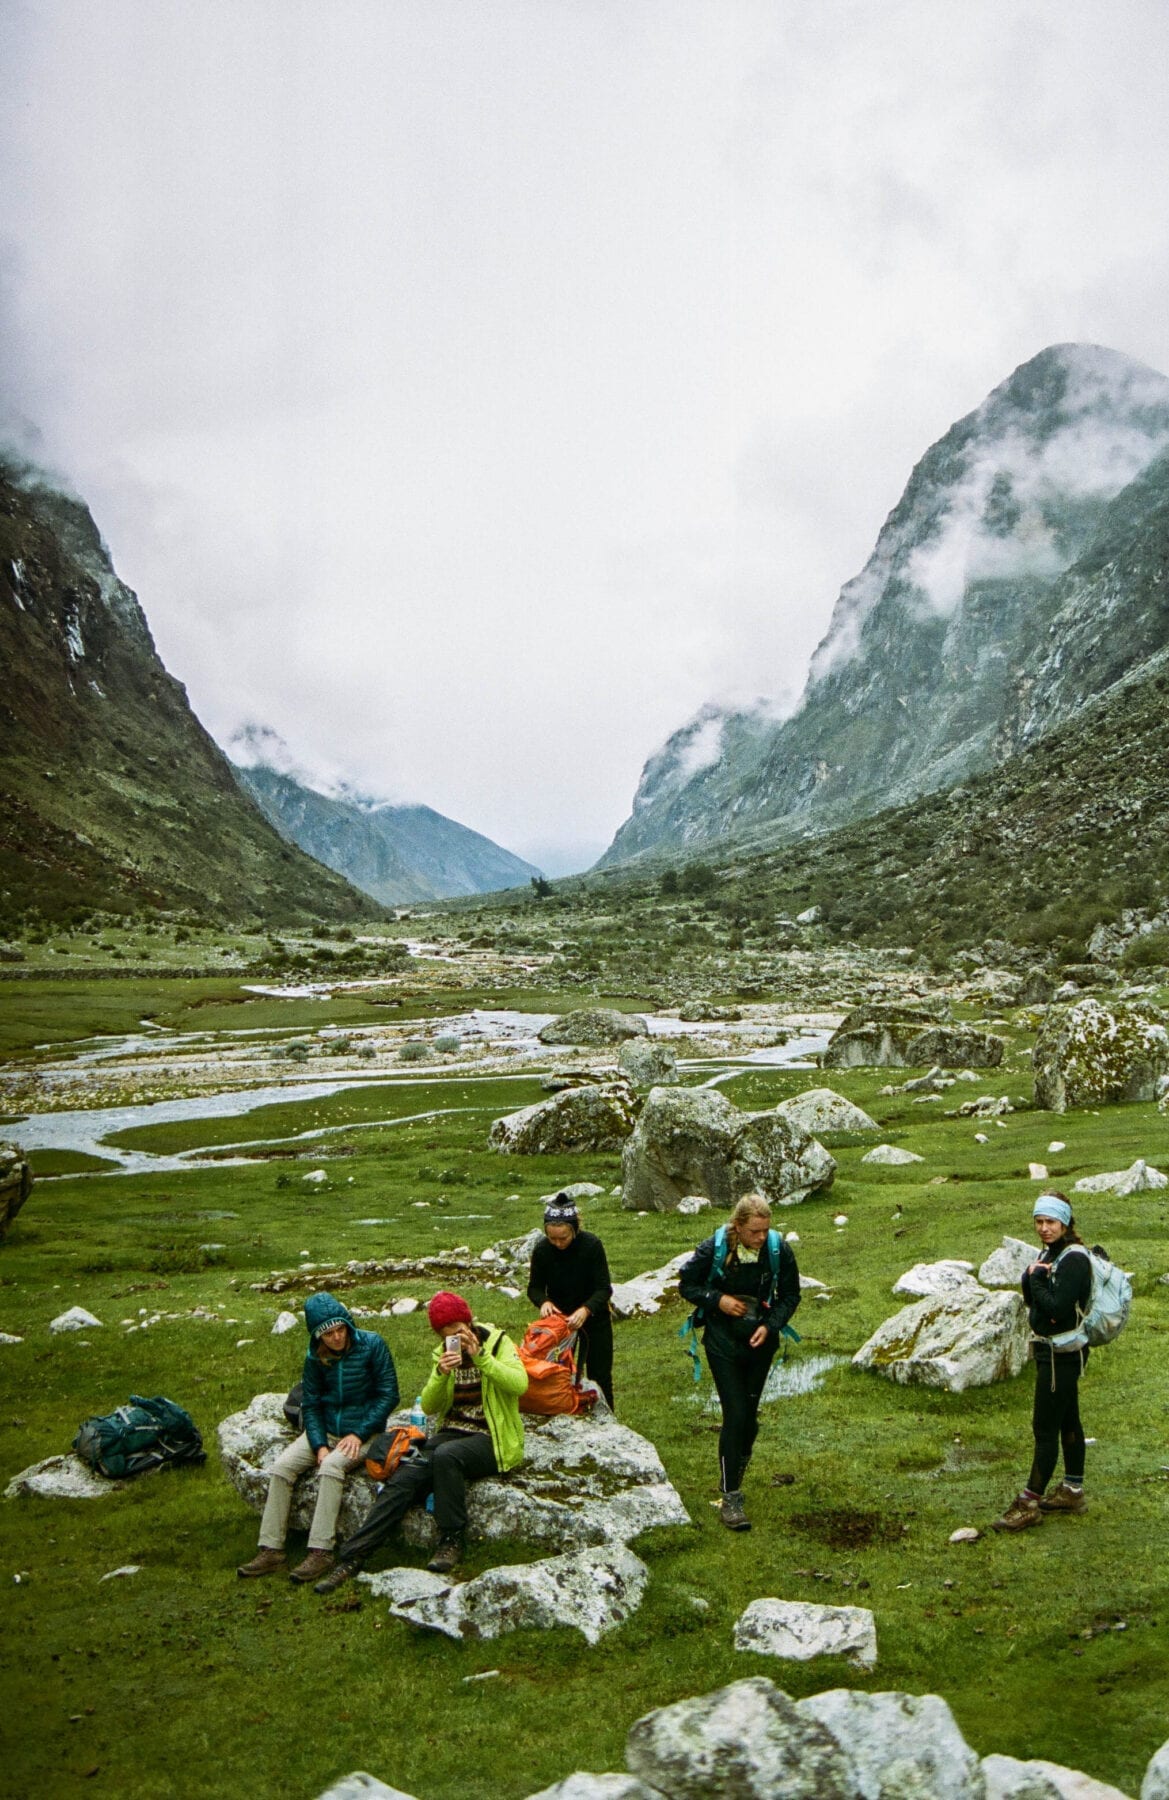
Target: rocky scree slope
[(399, 854), (111, 792), (1007, 587)]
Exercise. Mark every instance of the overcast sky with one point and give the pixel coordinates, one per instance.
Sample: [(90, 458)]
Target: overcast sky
[(469, 391)]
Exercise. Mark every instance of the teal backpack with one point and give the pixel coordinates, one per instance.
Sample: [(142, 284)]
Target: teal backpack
[(136, 1438), (689, 1331)]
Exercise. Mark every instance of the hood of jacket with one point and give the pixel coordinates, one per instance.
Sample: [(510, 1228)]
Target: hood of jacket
[(325, 1309)]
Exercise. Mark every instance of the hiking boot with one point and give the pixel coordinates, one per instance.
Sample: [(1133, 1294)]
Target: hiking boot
[(264, 1562), (448, 1556), (1019, 1515), (315, 1564), (1064, 1499), (732, 1514), (338, 1575)]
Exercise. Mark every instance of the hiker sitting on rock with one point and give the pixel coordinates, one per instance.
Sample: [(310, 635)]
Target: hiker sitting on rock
[(474, 1389), (569, 1274), (349, 1387), (744, 1285)]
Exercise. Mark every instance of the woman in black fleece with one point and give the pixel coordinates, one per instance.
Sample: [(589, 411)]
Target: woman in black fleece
[(1057, 1287), (743, 1309), (570, 1274)]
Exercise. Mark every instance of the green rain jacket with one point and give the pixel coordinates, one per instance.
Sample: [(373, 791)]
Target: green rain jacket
[(504, 1380)]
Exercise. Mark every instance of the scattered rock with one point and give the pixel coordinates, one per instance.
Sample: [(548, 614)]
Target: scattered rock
[(360, 1786), (62, 1478), (820, 1109), (647, 1063), (592, 1591), (401, 1309), (987, 1106), (582, 1786), (585, 1481), (76, 1319), (903, 1043), (898, 1744), (891, 1155), (594, 1027), (577, 1190), (693, 1203), (644, 1293), (6, 1337), (126, 1569), (799, 1630), (15, 1184), (692, 1141), (1037, 1171), (949, 1276), (579, 1118), (1004, 1267), (285, 1321), (1141, 1178), (965, 1534), (1155, 1785), (748, 1741), (315, 1178), (1093, 1054), (1007, 1779), (967, 1341)]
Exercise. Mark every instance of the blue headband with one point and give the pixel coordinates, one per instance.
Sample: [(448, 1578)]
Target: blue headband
[(1050, 1206)]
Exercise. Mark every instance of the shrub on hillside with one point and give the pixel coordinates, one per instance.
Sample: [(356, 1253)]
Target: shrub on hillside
[(1149, 951)]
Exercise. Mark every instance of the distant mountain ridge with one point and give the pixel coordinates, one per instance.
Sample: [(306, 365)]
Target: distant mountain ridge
[(1016, 579), (398, 854), (111, 792)]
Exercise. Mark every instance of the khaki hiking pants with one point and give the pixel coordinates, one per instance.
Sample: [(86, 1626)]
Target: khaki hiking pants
[(289, 1466)]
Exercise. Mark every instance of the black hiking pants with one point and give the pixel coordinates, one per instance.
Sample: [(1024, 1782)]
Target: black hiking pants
[(444, 1464), (738, 1373), (1055, 1421), (595, 1358)]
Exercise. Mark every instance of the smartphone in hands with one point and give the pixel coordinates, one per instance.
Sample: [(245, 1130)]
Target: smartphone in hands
[(453, 1344)]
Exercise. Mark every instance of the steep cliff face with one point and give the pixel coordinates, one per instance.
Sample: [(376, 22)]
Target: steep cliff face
[(398, 854), (111, 792), (966, 632)]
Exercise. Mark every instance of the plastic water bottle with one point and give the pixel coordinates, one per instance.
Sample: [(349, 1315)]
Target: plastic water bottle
[(417, 1416)]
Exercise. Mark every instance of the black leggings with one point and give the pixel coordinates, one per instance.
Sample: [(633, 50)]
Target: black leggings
[(595, 1354), (1056, 1420), (445, 1464), (738, 1373)]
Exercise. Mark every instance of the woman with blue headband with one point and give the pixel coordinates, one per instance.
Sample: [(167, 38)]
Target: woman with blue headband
[(1057, 1287)]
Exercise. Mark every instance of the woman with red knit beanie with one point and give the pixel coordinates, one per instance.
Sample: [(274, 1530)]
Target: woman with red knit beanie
[(474, 1392)]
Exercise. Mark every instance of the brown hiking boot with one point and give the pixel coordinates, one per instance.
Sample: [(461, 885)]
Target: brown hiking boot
[(448, 1556), (732, 1513), (264, 1562), (315, 1564), (1019, 1515), (338, 1575), (1064, 1499)]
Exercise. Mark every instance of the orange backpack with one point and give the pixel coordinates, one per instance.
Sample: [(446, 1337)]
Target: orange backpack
[(553, 1383), (389, 1447)]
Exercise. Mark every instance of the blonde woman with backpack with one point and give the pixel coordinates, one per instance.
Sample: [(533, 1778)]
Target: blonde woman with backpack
[(1057, 1287)]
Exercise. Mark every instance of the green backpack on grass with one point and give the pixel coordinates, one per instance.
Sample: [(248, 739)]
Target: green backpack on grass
[(138, 1437)]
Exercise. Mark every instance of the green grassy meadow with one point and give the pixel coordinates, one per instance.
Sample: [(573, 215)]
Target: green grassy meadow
[(183, 1681)]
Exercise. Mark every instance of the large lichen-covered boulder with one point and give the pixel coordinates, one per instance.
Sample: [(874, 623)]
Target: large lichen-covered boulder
[(957, 1047), (922, 1011), (1008, 1779), (1093, 1054), (594, 1027), (1004, 1267), (899, 1744), (15, 1184), (900, 1044), (820, 1109), (957, 1342), (579, 1118), (647, 1063), (591, 1591), (692, 1141), (583, 1481), (798, 1630), (748, 1740)]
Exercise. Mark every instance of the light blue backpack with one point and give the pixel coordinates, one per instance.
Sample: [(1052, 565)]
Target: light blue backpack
[(1108, 1305)]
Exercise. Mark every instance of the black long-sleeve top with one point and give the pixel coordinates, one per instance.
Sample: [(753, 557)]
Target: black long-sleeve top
[(576, 1276), (750, 1281), (1058, 1291)]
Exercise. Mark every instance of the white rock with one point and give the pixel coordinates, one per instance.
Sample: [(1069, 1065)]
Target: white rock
[(810, 916), (950, 1276), (748, 1741), (799, 1630), (1007, 1779), (1141, 1178), (401, 1308), (76, 1319), (899, 1744), (891, 1155), (1004, 1267), (980, 1137), (513, 1293), (1037, 1171), (821, 1109), (126, 1569), (315, 1177), (965, 1534), (644, 1294), (1055, 1146), (1155, 1785), (400, 1585), (488, 1255), (792, 1237), (360, 1786), (967, 1341), (285, 1321), (598, 1787), (693, 1203), (7, 1338), (840, 1219), (593, 1591), (61, 1478)]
